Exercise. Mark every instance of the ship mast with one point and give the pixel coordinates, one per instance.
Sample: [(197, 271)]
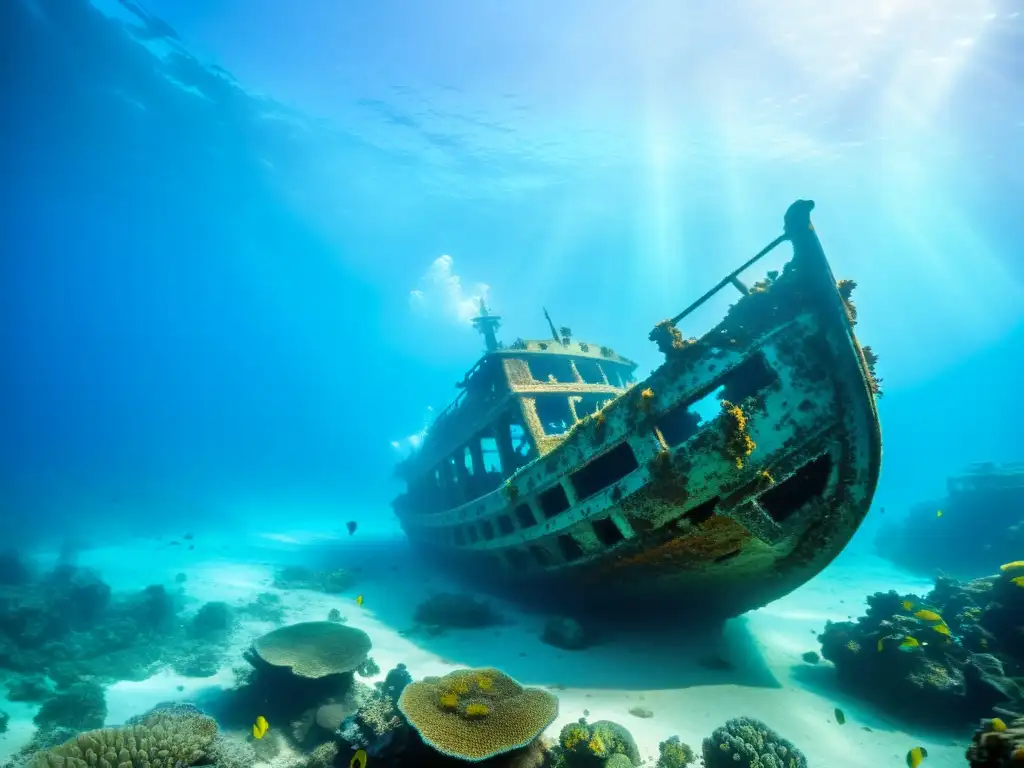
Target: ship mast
[(487, 326)]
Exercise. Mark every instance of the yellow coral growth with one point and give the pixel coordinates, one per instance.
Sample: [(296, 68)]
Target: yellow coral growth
[(646, 398), (738, 444), (499, 718), (484, 682), (574, 734), (449, 700), (595, 745)]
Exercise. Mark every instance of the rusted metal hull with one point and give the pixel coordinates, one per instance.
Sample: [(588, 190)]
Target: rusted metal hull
[(642, 503)]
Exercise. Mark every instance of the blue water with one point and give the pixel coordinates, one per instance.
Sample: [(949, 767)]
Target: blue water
[(242, 242)]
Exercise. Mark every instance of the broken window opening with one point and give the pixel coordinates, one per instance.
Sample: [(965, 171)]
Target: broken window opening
[(571, 550), (505, 525), (544, 368), (525, 516), (553, 501), (487, 529), (590, 371), (807, 483), (702, 512), (607, 531), (522, 448), (467, 460), (605, 470), (555, 414), (748, 379)]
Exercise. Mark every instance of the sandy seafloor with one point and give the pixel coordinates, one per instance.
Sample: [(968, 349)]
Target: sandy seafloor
[(659, 671)]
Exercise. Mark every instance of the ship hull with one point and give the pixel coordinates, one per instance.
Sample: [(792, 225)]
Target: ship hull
[(646, 504)]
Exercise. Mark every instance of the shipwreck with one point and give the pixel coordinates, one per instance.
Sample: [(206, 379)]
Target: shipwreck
[(559, 475)]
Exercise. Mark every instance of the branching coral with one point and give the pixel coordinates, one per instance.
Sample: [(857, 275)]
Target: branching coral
[(582, 745), (738, 443), (748, 743), (673, 753), (871, 360)]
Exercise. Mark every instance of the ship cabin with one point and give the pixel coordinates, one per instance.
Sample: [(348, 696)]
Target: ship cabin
[(516, 404)]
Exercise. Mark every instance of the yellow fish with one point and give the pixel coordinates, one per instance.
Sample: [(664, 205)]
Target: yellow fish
[(916, 756), (997, 724), (359, 601), (909, 644), (260, 728), (1014, 566), (939, 513), (907, 605), (943, 629), (1018, 580), (358, 759), (880, 641), (925, 615)]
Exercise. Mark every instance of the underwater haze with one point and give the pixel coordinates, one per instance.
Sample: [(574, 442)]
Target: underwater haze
[(243, 245)]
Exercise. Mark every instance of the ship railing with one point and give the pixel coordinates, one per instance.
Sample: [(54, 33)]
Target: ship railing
[(733, 278)]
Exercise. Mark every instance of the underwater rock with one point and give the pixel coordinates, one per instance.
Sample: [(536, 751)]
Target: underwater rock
[(748, 743), (82, 706), (13, 570), (641, 712), (456, 611), (331, 582), (811, 657), (396, 680), (565, 633), (213, 618)]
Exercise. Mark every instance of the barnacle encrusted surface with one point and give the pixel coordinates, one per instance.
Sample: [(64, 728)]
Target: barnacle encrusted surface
[(474, 714)]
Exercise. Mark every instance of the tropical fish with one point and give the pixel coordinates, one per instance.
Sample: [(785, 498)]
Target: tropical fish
[(909, 644), (997, 724), (351, 526), (260, 727), (925, 615), (943, 629), (359, 601), (358, 759), (881, 640), (1018, 580), (939, 513), (1014, 566), (840, 717), (907, 605), (916, 756)]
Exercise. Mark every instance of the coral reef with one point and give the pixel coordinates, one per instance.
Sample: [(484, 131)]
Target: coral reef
[(447, 610), (297, 577), (67, 624), (673, 753), (566, 633), (583, 745), (212, 620), (748, 743), (266, 607), (81, 706), (476, 714), (963, 664), (997, 745), (312, 649)]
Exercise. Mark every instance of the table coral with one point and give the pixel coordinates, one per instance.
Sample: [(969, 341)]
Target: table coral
[(312, 649), (448, 713)]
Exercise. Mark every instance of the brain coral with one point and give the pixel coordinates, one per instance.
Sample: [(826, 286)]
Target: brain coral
[(314, 649), (165, 739), (474, 714), (747, 743)]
